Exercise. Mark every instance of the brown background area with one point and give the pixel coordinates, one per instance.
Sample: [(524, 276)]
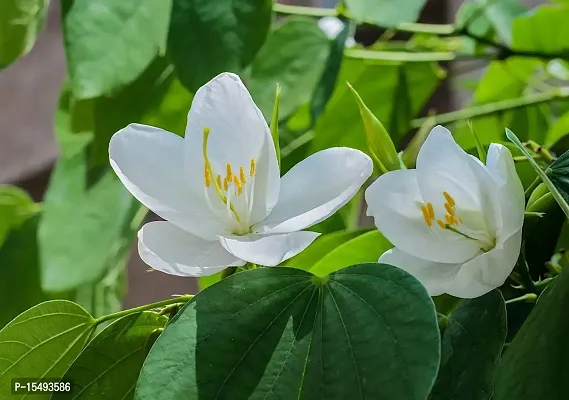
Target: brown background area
[(29, 91)]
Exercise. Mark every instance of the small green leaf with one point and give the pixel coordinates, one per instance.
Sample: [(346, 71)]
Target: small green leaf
[(470, 350), (535, 364), (385, 13), (532, 31), (16, 206), (320, 248), (42, 342), (552, 188), (364, 248), (20, 24), (207, 281), (379, 142), (110, 364), (110, 43), (210, 37), (366, 332), (557, 130)]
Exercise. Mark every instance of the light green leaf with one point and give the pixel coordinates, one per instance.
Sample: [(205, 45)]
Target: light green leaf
[(364, 248), (42, 342), (533, 31), (110, 43), (110, 364), (471, 346), (16, 206), (557, 130), (552, 188), (207, 281), (385, 13), (20, 23), (535, 364), (320, 248), (295, 67), (210, 37), (287, 334)]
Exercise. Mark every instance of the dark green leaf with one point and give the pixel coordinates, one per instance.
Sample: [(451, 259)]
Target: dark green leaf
[(296, 66), (386, 13), (471, 346), (110, 364), (110, 43), (364, 248), (42, 342), (209, 37), (535, 364), (559, 174), (367, 332), (20, 24)]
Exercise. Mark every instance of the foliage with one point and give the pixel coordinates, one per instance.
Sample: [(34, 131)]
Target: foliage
[(330, 322)]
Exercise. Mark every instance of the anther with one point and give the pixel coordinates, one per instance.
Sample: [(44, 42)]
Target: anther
[(226, 184), (242, 175), (426, 216), (219, 180), (441, 224), (237, 185), (449, 209), (450, 219), (431, 211), (229, 172), (449, 199), (252, 169), (207, 175)]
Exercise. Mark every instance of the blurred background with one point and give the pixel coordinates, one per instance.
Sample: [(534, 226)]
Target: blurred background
[(29, 91)]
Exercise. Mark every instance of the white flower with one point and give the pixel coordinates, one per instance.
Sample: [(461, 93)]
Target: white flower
[(332, 27), (219, 188), (455, 222)]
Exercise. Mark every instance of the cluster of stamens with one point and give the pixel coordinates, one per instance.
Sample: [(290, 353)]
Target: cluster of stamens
[(451, 220)]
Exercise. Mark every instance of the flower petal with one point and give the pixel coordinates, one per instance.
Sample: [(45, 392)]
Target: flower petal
[(316, 188), (487, 271), (442, 166), (395, 203), (169, 249), (239, 134), (268, 250), (435, 277), (510, 189), (150, 163)]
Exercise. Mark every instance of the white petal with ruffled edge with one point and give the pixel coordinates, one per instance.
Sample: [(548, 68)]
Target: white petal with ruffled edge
[(316, 188), (174, 251), (150, 163), (268, 250)]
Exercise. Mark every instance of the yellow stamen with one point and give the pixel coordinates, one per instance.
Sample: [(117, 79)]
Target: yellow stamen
[(431, 211), (441, 224), (450, 219), (449, 199), (219, 180), (226, 184), (252, 170), (207, 175), (242, 175), (237, 184), (428, 220), (449, 209), (229, 172)]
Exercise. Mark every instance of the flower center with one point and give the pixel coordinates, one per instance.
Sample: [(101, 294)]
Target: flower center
[(235, 190), (455, 224)]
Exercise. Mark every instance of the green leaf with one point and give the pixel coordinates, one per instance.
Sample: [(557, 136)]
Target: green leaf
[(558, 172), (295, 67), (20, 24), (366, 332), (320, 248), (110, 364), (42, 342), (535, 363), (532, 31), (210, 37), (470, 350), (16, 206), (341, 123), (557, 130), (385, 13), (110, 43), (364, 248), (275, 125), (207, 281), (552, 188)]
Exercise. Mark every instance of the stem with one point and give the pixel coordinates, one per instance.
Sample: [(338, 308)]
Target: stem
[(492, 108), (530, 297), (306, 11), (402, 56), (179, 299)]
